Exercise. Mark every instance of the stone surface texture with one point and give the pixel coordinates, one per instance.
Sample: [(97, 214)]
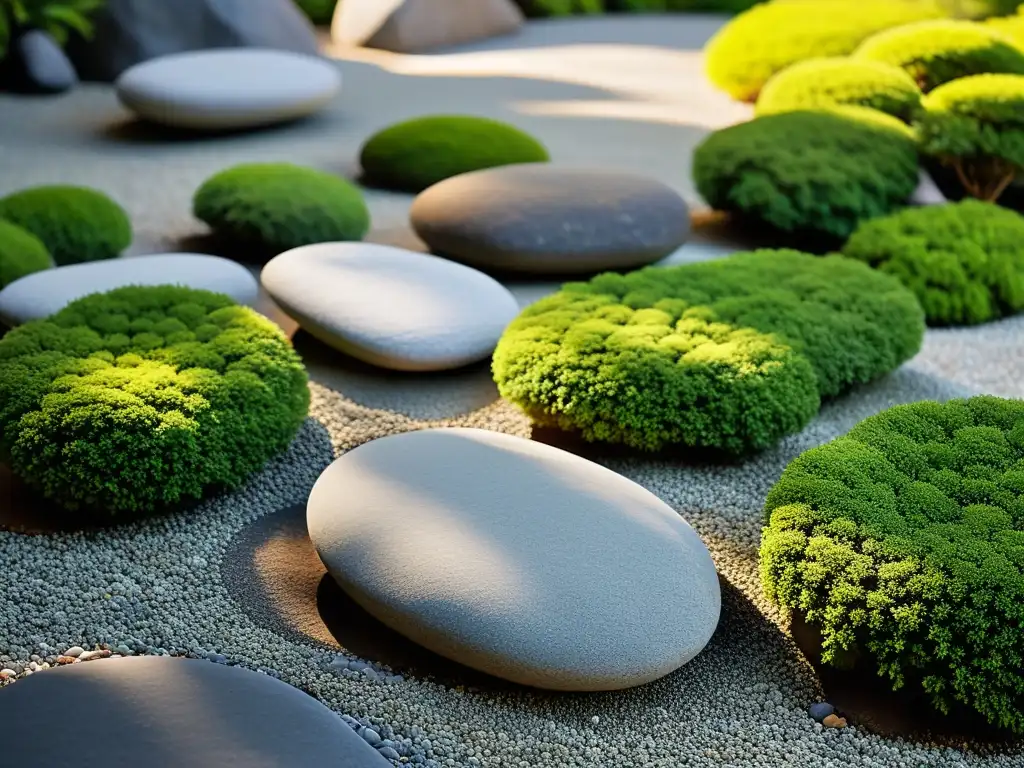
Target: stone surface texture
[(43, 293), (544, 219), (413, 26), (544, 569), (391, 307), (35, 63), (228, 89), (128, 32), (167, 713)]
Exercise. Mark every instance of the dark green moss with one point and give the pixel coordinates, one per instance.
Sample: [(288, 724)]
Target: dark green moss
[(731, 354), (318, 11), (21, 253), (144, 397), (904, 541)]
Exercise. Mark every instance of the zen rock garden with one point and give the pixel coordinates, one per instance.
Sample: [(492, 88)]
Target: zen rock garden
[(512, 383)]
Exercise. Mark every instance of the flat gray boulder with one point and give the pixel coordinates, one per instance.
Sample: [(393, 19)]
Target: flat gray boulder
[(391, 307), (42, 293), (229, 89), (132, 31), (411, 26), (544, 219), (516, 558)]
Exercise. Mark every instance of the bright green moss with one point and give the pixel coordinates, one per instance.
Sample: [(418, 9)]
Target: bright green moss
[(976, 126), (1010, 26), (964, 261), (274, 207), (817, 83), (731, 354), (415, 154), (76, 224), (936, 52), (21, 253), (814, 175), (755, 45), (143, 397), (318, 11), (904, 541)]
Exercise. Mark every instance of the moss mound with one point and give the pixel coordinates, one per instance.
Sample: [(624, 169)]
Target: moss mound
[(936, 52), (818, 83), (976, 126), (964, 261), (318, 11), (904, 542), (415, 154), (21, 253), (76, 224), (731, 354), (814, 175), (143, 397), (755, 45), (274, 207), (1011, 27)]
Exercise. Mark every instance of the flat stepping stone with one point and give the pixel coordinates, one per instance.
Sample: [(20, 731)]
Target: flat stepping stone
[(543, 219), (228, 89), (42, 293), (516, 558), (167, 713), (390, 307)]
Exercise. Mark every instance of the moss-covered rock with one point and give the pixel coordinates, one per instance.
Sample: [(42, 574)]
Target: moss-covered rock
[(904, 543), (274, 207), (813, 175), (936, 52), (769, 37), (964, 261), (412, 155), (21, 253), (817, 83), (76, 224), (144, 397), (731, 354)]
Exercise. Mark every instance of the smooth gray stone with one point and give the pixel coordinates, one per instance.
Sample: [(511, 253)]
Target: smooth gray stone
[(543, 219), (161, 712), (132, 31), (36, 64), (516, 558)]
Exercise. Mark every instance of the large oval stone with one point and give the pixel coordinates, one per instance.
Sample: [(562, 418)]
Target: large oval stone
[(540, 218), (391, 307), (166, 713), (43, 293), (229, 88), (516, 558)]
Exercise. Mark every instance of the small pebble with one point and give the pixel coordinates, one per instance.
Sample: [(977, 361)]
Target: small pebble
[(821, 710), (834, 721), (389, 753), (75, 651), (370, 736)]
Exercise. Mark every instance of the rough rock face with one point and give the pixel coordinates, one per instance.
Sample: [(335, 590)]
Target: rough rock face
[(132, 31), (409, 26)]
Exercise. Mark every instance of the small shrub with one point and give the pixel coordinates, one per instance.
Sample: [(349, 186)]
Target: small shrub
[(59, 18), (814, 175), (540, 8), (731, 354), (755, 45), (21, 253), (936, 52), (274, 207), (640, 6), (143, 397), (318, 11), (904, 542), (976, 126), (964, 261), (76, 224), (417, 153), (817, 83)]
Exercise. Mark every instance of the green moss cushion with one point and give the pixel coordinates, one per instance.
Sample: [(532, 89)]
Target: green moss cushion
[(812, 174), (964, 261), (830, 82), (21, 253), (274, 207), (318, 11), (936, 52), (76, 224), (415, 154), (769, 37), (731, 354), (904, 542), (132, 400)]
